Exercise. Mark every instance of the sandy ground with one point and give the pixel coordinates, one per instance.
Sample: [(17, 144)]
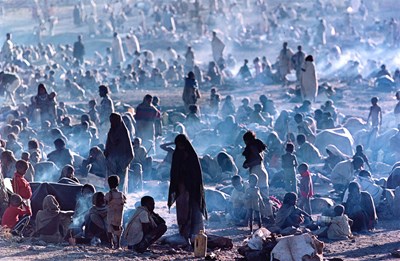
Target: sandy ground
[(376, 246)]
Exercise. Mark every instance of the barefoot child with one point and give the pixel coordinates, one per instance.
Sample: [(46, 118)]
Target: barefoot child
[(115, 201), (306, 188), (340, 225), (238, 200), (254, 202), (375, 113), (289, 164)]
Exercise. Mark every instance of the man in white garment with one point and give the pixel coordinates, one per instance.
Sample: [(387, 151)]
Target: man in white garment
[(285, 63), (309, 84), (132, 44), (217, 47), (9, 82), (118, 56), (7, 49)]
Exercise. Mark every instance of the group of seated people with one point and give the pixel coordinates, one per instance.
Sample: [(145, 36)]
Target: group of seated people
[(97, 218)]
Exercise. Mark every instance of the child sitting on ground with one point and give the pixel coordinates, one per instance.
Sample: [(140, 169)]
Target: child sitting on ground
[(340, 225), (360, 153), (96, 219), (115, 201), (238, 209), (11, 217), (254, 202)]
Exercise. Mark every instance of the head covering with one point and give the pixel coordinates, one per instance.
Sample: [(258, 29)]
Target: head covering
[(51, 209), (41, 87), (186, 169), (118, 144), (226, 162), (335, 151)]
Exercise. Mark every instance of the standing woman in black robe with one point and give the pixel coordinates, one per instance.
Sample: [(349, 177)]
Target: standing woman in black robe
[(118, 151), (186, 189)]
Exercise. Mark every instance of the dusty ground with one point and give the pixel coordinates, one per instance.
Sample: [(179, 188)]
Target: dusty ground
[(376, 246)]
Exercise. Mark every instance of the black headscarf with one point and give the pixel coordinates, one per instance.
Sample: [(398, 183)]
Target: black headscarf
[(118, 144), (186, 168)]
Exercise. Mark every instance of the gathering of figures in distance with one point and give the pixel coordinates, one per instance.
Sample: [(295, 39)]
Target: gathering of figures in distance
[(280, 120)]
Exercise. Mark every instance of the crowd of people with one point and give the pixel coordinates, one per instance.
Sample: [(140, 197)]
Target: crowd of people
[(257, 149)]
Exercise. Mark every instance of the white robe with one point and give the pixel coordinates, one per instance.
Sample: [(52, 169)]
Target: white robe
[(285, 63), (321, 34), (132, 44), (6, 50), (118, 55), (217, 48), (309, 86)]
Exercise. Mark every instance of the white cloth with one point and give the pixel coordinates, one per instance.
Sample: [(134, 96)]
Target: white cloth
[(134, 231), (343, 173), (309, 85), (367, 184), (6, 50), (285, 63), (118, 55), (294, 248), (217, 48), (132, 44)]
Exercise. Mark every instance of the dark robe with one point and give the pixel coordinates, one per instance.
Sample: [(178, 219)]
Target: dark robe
[(288, 216), (146, 115), (361, 209), (118, 151), (61, 157), (394, 179), (186, 189), (190, 92), (254, 153), (96, 221)]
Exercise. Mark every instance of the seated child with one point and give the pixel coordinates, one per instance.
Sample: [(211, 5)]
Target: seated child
[(11, 215), (238, 209), (289, 215), (340, 225), (115, 201), (96, 219), (254, 202), (360, 153), (83, 204)]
